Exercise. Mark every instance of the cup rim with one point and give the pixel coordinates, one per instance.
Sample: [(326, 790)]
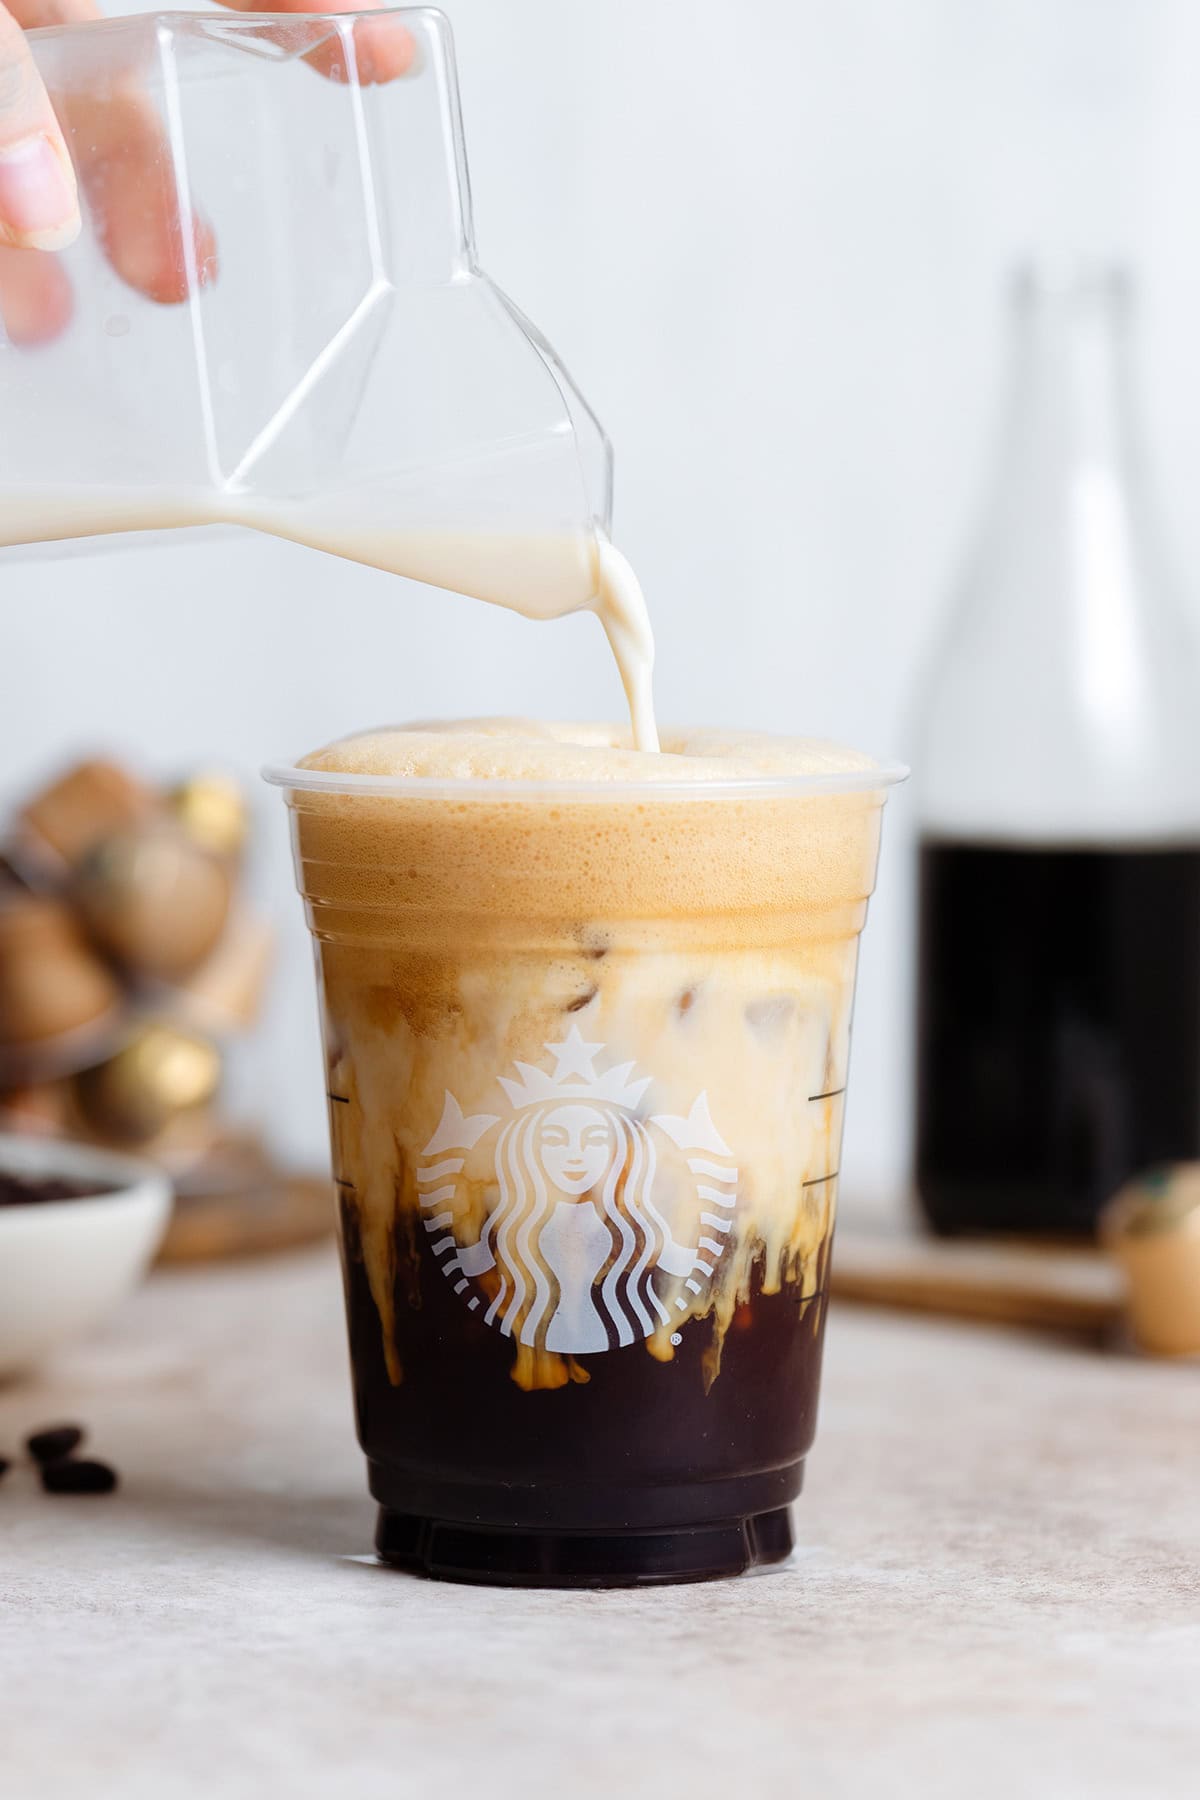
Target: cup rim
[(290, 776)]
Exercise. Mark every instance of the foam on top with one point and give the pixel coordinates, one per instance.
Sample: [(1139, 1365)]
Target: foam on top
[(734, 861), (500, 749)]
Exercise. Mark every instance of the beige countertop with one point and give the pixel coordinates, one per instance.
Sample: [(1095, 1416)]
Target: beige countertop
[(997, 1590)]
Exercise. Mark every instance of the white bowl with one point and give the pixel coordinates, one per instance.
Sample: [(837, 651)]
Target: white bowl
[(66, 1264)]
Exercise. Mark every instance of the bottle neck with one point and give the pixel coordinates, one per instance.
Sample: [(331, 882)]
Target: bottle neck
[(1061, 706), (1070, 414)]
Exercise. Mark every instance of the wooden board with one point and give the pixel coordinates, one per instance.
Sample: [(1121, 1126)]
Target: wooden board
[(1012, 1281), (281, 1212)]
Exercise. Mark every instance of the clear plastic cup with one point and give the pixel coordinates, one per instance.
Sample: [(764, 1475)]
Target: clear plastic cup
[(274, 315), (586, 1047)]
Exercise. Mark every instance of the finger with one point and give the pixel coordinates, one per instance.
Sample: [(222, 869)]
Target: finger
[(39, 207), (381, 50), (125, 169), (35, 296)]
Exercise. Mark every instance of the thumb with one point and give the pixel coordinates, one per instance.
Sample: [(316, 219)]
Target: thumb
[(39, 208)]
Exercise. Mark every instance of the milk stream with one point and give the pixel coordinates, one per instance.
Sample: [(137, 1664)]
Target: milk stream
[(541, 576)]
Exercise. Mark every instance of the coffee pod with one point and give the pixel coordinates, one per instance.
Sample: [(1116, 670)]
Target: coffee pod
[(1152, 1228), (225, 994), (154, 901), (211, 808), (157, 1075), (185, 1146), (54, 989), (90, 802), (10, 875), (37, 1107)]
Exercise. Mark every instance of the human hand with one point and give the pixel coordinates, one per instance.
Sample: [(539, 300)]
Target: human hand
[(119, 139)]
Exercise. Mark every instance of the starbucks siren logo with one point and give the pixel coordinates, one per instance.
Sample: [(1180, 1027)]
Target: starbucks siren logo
[(574, 1171)]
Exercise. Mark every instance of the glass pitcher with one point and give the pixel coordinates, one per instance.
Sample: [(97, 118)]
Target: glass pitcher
[(322, 357)]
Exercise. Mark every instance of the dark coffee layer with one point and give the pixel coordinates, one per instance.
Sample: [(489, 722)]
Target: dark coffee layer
[(637, 1442)]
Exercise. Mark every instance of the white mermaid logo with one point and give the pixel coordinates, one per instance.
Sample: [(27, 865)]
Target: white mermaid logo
[(581, 1254)]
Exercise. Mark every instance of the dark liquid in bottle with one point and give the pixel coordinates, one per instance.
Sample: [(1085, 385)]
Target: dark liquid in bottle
[(1058, 1029)]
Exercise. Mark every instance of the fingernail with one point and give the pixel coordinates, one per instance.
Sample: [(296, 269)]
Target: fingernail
[(38, 207)]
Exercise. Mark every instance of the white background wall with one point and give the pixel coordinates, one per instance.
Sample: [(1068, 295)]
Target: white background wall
[(767, 239)]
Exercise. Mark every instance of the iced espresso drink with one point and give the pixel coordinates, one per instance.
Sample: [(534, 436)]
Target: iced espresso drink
[(586, 1015)]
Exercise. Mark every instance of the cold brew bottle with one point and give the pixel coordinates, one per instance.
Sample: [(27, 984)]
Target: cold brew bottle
[(1058, 762)]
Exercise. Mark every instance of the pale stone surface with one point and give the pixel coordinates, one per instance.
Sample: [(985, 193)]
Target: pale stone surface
[(997, 1592)]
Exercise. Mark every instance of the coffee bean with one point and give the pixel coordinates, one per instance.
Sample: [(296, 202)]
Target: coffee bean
[(54, 1442), (78, 1476)]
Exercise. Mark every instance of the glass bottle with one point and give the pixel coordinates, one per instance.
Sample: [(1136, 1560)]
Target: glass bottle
[(1058, 769)]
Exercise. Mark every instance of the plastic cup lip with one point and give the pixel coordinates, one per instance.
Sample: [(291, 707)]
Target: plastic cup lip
[(549, 790)]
